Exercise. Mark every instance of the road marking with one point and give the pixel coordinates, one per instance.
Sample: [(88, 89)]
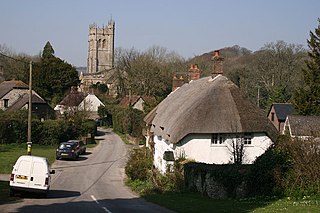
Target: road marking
[(95, 200), (107, 210)]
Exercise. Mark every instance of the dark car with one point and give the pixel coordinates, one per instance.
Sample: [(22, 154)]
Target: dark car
[(67, 150), (80, 145)]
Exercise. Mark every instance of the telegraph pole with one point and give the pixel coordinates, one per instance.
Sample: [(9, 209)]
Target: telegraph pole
[(29, 143)]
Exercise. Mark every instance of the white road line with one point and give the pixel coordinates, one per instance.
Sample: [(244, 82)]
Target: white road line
[(107, 210), (95, 200)]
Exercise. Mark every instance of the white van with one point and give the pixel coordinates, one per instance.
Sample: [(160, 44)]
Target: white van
[(31, 173)]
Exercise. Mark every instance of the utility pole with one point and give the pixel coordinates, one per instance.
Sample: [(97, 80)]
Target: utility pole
[(29, 143)]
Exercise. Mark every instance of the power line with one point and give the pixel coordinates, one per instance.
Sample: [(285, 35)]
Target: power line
[(15, 59)]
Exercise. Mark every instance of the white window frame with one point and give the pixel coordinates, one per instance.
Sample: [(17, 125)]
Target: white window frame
[(247, 139), (217, 139)]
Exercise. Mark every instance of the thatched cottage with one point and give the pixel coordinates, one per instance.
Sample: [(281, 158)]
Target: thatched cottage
[(204, 120)]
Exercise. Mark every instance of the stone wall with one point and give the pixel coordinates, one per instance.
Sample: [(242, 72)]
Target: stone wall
[(217, 181)]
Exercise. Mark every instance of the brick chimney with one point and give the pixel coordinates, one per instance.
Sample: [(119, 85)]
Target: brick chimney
[(194, 73), (177, 82), (217, 62)]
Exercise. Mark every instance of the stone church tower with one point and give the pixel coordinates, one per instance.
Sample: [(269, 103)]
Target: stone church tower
[(101, 47)]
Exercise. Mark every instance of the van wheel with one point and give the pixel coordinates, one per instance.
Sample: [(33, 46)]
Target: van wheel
[(11, 192)]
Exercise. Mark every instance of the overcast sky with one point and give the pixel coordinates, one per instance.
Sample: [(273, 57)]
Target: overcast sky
[(188, 27)]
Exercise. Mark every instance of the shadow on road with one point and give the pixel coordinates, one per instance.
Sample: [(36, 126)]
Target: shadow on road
[(62, 194), (80, 158), (108, 205), (87, 153)]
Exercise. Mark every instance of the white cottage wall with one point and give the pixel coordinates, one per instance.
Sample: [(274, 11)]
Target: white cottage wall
[(139, 104), (198, 147), (160, 146)]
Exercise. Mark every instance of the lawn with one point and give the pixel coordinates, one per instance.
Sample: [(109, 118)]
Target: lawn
[(9, 153), (191, 202)]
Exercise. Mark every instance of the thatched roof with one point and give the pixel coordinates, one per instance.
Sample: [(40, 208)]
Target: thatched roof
[(207, 105)]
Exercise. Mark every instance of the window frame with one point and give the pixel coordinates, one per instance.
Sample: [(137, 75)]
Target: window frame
[(247, 138), (6, 103), (217, 139)]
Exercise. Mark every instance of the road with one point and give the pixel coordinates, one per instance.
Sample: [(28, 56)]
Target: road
[(93, 183)]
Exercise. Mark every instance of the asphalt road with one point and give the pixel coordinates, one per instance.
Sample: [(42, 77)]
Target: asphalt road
[(93, 183)]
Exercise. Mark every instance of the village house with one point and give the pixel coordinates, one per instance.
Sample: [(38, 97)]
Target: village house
[(302, 127), (204, 119), (136, 101), (78, 101), (278, 113), (14, 95)]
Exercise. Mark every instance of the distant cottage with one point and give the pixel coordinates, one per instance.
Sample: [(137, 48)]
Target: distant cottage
[(14, 95), (78, 101), (278, 113)]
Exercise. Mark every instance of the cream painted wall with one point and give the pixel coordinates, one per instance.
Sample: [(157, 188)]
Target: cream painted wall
[(139, 104), (198, 147), (90, 103)]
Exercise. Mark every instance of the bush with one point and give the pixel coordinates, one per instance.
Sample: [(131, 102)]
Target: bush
[(53, 132), (268, 173), (304, 178), (129, 121), (89, 127), (139, 164)]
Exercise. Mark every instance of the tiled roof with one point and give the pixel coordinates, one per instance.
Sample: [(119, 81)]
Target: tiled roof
[(283, 110), (7, 86), (25, 100), (304, 125)]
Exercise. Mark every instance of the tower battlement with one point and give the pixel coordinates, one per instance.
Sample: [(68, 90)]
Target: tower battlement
[(101, 47)]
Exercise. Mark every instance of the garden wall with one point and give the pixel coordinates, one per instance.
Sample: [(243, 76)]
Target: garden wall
[(217, 181)]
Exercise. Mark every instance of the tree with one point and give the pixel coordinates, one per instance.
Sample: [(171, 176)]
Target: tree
[(146, 73), (53, 77), (307, 98), (274, 71), (48, 51)]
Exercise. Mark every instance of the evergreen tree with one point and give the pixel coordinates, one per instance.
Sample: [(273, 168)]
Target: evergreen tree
[(48, 51), (307, 98), (53, 77)]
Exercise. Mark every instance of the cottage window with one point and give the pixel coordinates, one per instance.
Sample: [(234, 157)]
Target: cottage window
[(272, 116), (217, 139), (6, 103), (247, 138)]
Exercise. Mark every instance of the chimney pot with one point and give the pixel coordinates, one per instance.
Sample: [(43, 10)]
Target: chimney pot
[(216, 53)]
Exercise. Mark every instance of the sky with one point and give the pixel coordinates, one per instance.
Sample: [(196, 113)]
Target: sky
[(188, 27)]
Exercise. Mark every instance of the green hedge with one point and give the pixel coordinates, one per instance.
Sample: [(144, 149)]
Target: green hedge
[(14, 127)]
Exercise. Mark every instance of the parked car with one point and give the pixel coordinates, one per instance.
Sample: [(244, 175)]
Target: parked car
[(67, 150), (31, 173), (80, 145)]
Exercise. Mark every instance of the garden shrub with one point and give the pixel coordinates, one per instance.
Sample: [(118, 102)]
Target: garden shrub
[(139, 164), (268, 173)]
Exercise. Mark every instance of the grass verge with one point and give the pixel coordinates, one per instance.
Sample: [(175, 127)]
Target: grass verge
[(192, 202), (9, 153)]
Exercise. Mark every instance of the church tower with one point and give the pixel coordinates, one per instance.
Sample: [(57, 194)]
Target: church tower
[(101, 47)]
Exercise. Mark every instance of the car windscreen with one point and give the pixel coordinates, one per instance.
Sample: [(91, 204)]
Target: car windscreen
[(65, 146)]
